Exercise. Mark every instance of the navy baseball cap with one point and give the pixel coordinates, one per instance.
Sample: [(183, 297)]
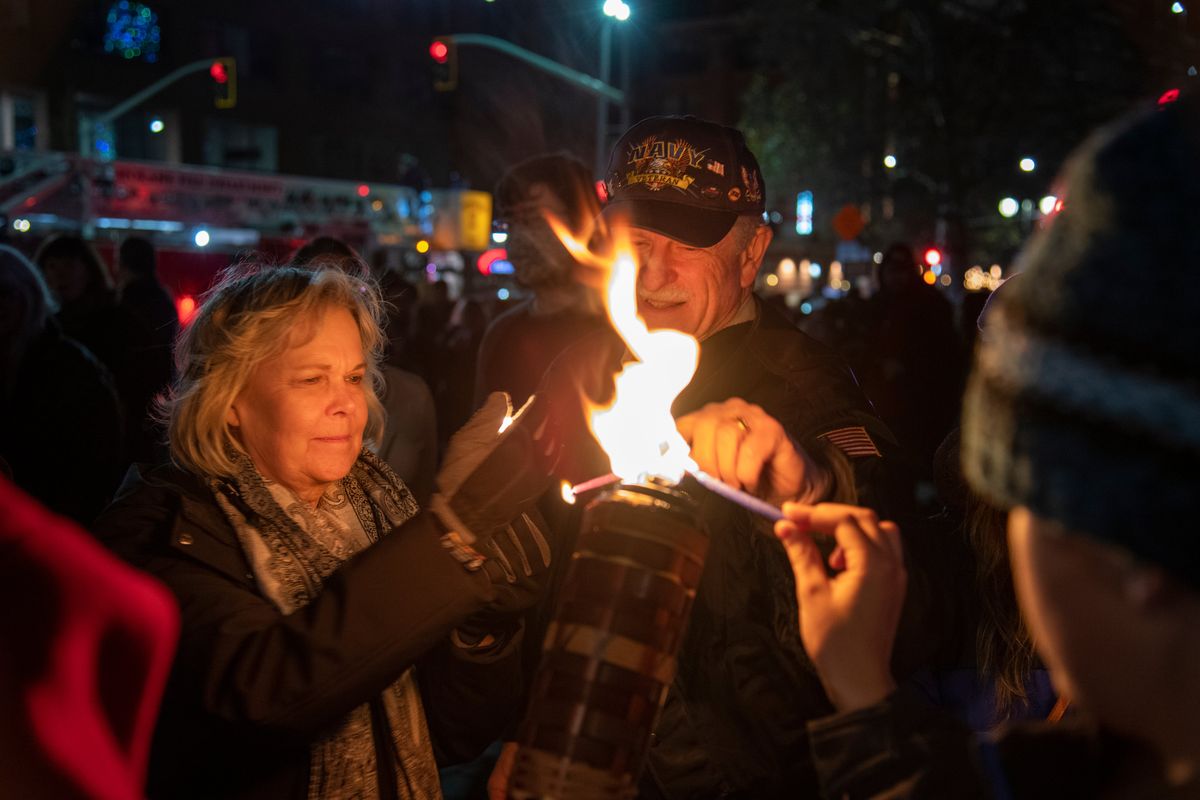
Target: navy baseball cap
[(686, 178)]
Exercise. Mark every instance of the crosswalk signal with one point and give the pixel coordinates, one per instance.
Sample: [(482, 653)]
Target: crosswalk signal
[(224, 78), (445, 64)]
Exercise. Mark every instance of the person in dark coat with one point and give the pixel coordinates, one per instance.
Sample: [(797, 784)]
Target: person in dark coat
[(88, 312), (337, 642), (62, 431), (521, 343), (141, 294), (911, 366), (1081, 419)]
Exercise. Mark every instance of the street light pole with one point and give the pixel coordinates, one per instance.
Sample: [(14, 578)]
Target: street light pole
[(618, 11), (601, 100)]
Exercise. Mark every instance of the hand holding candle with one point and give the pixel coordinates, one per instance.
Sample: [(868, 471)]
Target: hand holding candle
[(848, 621), (746, 448)]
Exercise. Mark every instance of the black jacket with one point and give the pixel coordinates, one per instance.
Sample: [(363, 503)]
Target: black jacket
[(62, 430), (734, 720), (904, 748), (251, 688)]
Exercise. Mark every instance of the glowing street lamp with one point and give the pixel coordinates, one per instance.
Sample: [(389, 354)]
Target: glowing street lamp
[(616, 9), (1009, 207), (1027, 164), (889, 161)]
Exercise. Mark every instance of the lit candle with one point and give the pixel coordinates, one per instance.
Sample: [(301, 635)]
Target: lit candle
[(743, 499), (569, 493)]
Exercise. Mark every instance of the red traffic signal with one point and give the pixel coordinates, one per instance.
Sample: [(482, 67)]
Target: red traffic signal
[(933, 256), (445, 64), (1168, 97), (223, 72)]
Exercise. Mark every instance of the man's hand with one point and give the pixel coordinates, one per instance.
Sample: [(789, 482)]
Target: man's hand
[(497, 785), (748, 449), (847, 622)]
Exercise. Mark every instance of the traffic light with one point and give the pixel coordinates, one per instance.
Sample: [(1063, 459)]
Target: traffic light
[(933, 256), (445, 64), (224, 79)]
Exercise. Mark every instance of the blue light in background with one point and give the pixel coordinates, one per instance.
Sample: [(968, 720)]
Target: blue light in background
[(131, 31), (804, 213)]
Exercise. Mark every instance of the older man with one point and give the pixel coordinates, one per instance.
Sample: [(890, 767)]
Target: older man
[(769, 410)]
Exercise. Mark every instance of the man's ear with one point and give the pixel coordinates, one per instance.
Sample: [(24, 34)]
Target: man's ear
[(752, 256)]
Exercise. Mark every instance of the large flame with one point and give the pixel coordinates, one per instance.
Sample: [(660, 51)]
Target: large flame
[(637, 430)]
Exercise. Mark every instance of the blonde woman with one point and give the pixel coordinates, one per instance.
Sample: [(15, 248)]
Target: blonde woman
[(336, 641)]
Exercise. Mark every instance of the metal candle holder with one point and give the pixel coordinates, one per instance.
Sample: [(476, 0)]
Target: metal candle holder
[(609, 654)]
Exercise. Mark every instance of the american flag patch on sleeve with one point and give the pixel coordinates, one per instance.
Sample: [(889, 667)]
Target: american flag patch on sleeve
[(854, 442)]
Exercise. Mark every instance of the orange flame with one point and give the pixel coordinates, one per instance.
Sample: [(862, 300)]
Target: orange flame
[(637, 430)]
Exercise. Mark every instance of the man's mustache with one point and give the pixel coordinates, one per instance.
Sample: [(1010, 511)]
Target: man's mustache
[(661, 297)]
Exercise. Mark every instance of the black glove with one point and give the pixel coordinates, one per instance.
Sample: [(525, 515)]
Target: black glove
[(517, 560), (496, 467)]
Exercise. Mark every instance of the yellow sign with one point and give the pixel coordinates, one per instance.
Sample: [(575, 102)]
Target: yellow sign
[(475, 220)]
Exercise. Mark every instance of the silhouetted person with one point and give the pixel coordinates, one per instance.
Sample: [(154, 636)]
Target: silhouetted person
[(140, 293), (453, 393), (326, 249), (62, 431), (912, 368), (432, 316), (88, 313), (401, 299)]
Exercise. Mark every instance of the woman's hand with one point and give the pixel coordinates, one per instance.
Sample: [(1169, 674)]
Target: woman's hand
[(748, 449), (496, 467), (848, 621)]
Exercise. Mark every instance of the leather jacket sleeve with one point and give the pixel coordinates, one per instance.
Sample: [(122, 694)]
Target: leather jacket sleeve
[(899, 748)]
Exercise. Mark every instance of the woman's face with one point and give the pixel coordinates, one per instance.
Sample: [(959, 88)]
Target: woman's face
[(1098, 640), (301, 415)]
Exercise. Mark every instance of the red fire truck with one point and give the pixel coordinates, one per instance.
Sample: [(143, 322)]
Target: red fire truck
[(202, 218)]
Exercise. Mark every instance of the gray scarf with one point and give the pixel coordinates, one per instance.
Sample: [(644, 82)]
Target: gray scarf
[(292, 548)]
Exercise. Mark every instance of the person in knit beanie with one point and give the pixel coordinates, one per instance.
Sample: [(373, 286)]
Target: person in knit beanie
[(1082, 418)]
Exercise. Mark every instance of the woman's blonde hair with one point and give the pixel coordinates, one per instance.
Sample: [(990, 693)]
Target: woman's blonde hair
[(245, 319)]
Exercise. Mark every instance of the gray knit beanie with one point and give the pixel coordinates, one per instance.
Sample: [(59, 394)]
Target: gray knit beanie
[(1084, 402)]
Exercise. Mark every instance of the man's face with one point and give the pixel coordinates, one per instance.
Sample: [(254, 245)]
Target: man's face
[(697, 290), (535, 251)]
